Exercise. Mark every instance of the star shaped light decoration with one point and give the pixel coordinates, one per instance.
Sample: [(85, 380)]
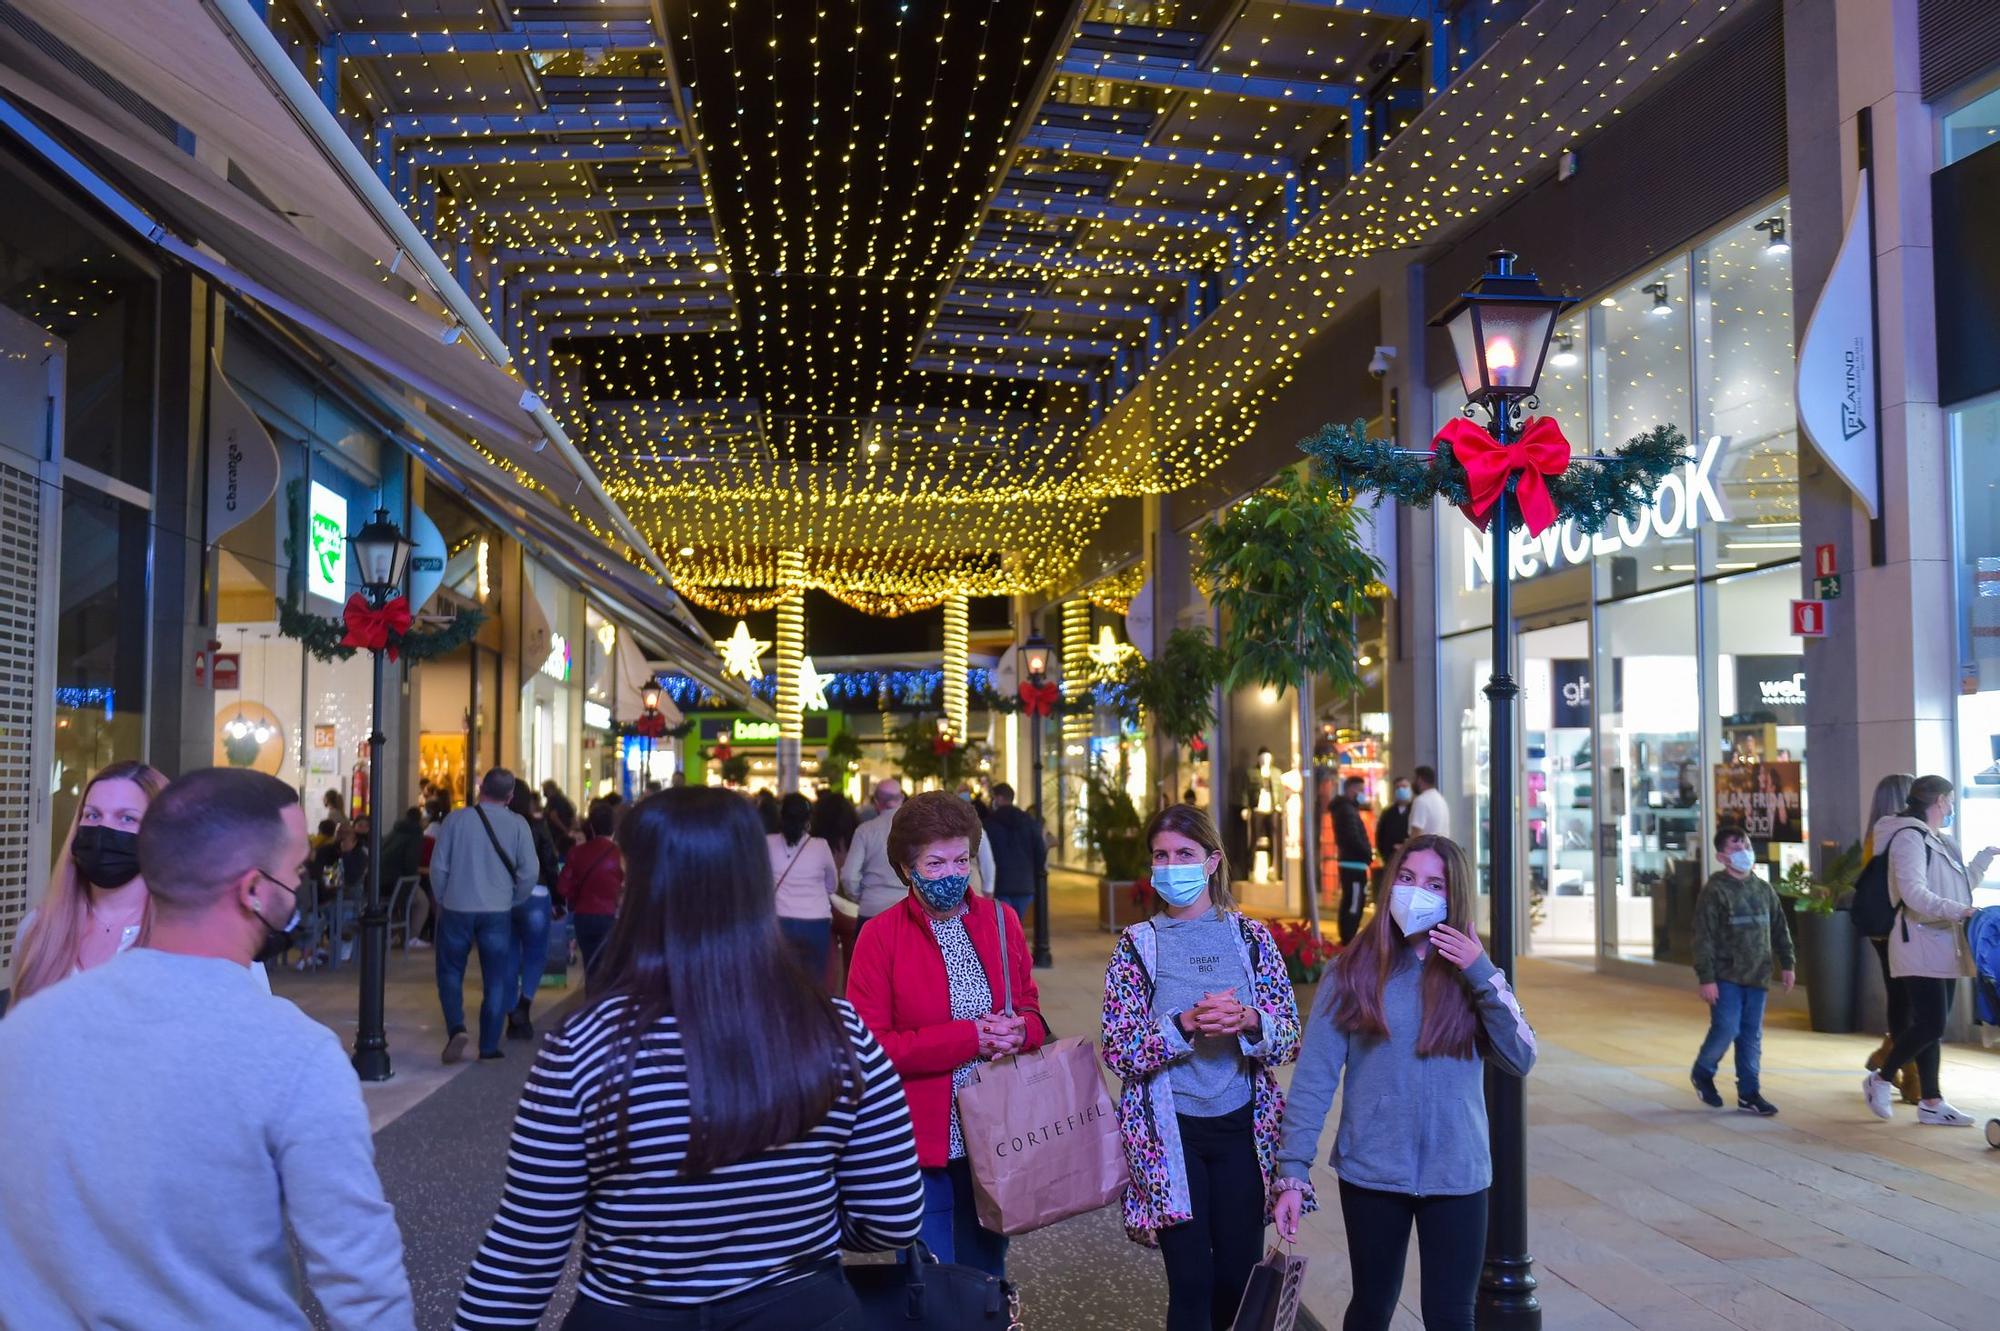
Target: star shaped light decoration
[(741, 653), (1107, 652), (812, 686)]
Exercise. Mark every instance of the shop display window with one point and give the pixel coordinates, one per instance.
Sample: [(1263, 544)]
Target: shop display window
[(1976, 444), (100, 641), (1639, 373)]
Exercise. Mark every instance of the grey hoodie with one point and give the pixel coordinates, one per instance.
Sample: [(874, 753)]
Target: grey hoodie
[(1407, 1124)]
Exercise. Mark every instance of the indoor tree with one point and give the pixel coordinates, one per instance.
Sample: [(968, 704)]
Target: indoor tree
[(1287, 570)]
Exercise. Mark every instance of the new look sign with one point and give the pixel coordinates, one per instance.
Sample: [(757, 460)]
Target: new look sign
[(1687, 499)]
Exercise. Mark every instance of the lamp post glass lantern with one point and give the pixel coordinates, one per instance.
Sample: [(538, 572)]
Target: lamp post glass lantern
[(649, 699), (381, 554), (1036, 650), (1500, 332)]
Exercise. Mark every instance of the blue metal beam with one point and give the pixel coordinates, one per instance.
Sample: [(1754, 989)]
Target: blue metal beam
[(1178, 74), (640, 199), (1414, 9), (616, 327), (1054, 344), (1130, 148), (657, 279), (996, 369), (535, 151), (627, 303), (640, 251), (444, 125), (1050, 205), (1061, 261), (528, 41), (1125, 311)]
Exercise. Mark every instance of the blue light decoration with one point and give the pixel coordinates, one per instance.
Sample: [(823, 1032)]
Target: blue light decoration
[(868, 690), (78, 698)]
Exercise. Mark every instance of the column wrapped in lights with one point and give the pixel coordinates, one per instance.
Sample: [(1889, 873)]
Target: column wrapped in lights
[(1076, 720), (791, 654), (956, 713)]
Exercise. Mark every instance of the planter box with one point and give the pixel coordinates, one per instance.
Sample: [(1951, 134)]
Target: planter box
[(1826, 968), (1115, 908)]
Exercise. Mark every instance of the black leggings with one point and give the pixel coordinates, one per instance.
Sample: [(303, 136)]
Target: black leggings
[(1209, 1257), (1892, 988), (1929, 1002), (1451, 1245)]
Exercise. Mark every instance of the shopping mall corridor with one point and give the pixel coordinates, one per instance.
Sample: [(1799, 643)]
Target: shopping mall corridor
[(1647, 1210)]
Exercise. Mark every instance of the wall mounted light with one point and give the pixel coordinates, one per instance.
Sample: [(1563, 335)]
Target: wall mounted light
[(1775, 244), (1565, 356), (1658, 291)]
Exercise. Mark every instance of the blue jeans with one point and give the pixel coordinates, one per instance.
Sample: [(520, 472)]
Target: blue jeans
[(493, 932), (530, 921), (1737, 1015), (951, 1228), (591, 931), (1022, 907)]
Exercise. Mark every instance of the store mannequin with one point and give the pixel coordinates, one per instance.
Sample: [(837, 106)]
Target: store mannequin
[(1260, 816)]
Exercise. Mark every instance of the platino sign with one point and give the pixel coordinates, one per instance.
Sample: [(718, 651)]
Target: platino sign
[(1836, 385), (1687, 499)]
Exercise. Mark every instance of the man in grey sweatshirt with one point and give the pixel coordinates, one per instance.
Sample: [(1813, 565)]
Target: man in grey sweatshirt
[(165, 1118), (481, 868)]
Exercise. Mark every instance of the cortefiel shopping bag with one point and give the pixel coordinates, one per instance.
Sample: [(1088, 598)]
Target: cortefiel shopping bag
[(1041, 1138)]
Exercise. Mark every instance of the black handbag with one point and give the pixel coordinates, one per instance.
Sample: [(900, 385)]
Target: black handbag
[(927, 1295)]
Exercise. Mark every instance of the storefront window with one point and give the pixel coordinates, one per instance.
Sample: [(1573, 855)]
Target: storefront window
[(1743, 492), (1639, 379), (1971, 127), (551, 678), (100, 641), (1758, 777), (1976, 443), (1649, 752)]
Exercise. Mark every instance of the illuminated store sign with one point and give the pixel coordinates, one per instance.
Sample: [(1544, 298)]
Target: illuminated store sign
[(597, 716), (754, 732), (1687, 499), (326, 528), (558, 664)]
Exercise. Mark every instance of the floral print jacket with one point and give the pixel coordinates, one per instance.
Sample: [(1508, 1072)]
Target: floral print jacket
[(1139, 1046)]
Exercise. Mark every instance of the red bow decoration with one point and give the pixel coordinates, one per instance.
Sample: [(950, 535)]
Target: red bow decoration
[(722, 753), (372, 629), (1039, 699), (942, 745), (653, 725), (1541, 452)]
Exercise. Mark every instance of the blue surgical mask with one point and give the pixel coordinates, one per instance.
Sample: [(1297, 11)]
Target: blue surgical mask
[(1180, 884), (1740, 860), (1402, 794), (941, 893), (1950, 815)]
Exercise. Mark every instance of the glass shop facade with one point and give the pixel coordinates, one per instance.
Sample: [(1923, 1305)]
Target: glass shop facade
[(1663, 691)]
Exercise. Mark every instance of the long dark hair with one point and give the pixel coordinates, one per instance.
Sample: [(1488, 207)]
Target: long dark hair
[(1360, 974), (795, 813), (697, 937)]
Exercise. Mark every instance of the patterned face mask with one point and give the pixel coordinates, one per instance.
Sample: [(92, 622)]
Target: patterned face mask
[(941, 893)]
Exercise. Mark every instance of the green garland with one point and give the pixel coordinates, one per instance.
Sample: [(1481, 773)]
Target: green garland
[(321, 637), (1590, 493), (1008, 704)]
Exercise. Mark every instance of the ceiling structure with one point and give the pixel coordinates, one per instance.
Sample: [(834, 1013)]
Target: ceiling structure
[(912, 289)]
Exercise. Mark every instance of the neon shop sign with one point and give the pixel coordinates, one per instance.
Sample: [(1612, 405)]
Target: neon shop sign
[(1687, 499)]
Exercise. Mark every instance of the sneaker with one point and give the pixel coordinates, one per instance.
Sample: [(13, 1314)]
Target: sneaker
[(488, 1055), (1942, 1116), (519, 1027), (1878, 1094), (1704, 1086), (1754, 1103), (454, 1047), (418, 945)]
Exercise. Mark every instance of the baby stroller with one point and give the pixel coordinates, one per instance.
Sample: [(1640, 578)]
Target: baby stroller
[(1983, 932)]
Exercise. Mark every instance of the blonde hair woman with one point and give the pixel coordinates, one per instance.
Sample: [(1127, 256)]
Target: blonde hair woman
[(96, 904)]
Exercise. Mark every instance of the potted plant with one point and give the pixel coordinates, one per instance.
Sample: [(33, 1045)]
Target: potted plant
[(1826, 944), (1305, 949), (1113, 827)]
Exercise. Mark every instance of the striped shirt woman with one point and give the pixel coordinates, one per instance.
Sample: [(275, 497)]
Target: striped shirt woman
[(711, 1200)]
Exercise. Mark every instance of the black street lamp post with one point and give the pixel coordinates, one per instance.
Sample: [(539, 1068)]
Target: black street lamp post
[(381, 551), (1500, 332), (1036, 649), (652, 725)]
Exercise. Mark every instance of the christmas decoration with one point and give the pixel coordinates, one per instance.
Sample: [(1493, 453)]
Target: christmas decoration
[(374, 628), (812, 686), (327, 639), (741, 653)]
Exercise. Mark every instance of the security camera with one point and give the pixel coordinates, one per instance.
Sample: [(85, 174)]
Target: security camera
[(1379, 366)]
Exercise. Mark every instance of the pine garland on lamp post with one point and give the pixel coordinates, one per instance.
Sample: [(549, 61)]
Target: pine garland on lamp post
[(1518, 472)]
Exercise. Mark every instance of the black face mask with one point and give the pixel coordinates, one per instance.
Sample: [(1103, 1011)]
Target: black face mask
[(105, 856)]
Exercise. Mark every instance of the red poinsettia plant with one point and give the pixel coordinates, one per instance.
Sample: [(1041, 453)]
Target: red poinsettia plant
[(1305, 949)]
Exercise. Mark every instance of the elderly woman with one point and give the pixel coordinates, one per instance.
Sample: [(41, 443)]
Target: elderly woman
[(926, 980)]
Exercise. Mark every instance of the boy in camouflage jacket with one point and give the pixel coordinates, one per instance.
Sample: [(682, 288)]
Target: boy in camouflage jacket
[(1740, 936)]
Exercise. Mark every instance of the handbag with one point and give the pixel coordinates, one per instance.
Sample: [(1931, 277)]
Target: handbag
[(1271, 1299), (924, 1294)]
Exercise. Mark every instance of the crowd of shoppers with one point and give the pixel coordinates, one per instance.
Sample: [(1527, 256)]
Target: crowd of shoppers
[(720, 1123)]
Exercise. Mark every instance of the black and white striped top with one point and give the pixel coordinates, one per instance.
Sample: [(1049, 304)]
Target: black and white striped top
[(653, 1235)]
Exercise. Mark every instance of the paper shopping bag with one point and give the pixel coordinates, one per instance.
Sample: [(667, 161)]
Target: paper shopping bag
[(1041, 1138), (1271, 1299)]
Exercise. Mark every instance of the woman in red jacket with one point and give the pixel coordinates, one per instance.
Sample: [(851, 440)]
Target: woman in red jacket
[(592, 881), (926, 980)]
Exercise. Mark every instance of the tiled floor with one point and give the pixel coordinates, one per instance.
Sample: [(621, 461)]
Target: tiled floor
[(1647, 1211)]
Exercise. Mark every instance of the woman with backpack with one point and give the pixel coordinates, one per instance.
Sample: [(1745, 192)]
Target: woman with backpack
[(1892, 792), (1930, 885)]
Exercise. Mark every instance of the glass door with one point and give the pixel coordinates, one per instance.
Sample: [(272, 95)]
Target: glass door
[(1558, 854)]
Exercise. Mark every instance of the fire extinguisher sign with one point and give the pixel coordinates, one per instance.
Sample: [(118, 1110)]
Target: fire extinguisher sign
[(1809, 619)]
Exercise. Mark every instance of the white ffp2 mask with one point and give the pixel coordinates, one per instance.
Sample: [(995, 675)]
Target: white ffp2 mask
[(1416, 910)]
